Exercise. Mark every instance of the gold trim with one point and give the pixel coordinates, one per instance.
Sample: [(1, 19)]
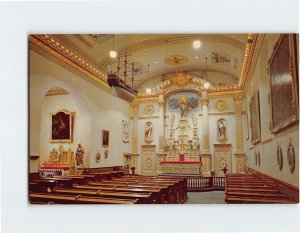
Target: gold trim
[(249, 52), (57, 91), (47, 44)]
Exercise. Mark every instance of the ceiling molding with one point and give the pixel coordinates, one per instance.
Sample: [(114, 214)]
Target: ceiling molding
[(53, 48)]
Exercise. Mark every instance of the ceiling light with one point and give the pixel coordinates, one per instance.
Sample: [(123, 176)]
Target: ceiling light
[(113, 54), (196, 57), (148, 90), (197, 44), (156, 62), (206, 85)]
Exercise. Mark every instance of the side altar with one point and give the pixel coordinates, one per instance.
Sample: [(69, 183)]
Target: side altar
[(183, 155)]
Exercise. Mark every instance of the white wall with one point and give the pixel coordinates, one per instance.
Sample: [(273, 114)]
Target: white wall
[(269, 141), (95, 110)]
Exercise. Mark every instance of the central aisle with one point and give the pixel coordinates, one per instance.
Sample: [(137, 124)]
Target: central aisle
[(214, 197)]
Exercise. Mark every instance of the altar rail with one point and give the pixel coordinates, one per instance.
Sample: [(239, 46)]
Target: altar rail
[(198, 183)]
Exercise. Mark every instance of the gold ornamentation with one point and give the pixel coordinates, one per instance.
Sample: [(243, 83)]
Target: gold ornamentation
[(238, 99), (61, 156), (149, 109), (57, 91), (221, 105), (204, 101), (47, 44), (252, 38), (176, 59), (148, 162), (180, 79)]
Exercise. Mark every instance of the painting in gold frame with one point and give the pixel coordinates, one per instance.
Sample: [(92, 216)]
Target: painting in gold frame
[(283, 83), (255, 118), (62, 126)]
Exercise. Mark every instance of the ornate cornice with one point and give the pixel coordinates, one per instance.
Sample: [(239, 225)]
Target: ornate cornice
[(53, 48), (248, 57)]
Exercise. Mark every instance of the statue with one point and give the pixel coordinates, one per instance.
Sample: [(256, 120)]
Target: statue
[(221, 129), (148, 132), (184, 107), (172, 121), (79, 156), (195, 121)]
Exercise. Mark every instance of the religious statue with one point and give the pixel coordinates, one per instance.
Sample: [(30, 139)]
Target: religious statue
[(79, 156), (148, 132), (98, 157), (184, 107), (195, 121), (221, 129), (172, 121), (60, 153)]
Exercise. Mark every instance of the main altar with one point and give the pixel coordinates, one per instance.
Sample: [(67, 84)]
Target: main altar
[(182, 147)]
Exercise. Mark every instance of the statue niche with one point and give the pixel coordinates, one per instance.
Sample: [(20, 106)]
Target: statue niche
[(222, 131)]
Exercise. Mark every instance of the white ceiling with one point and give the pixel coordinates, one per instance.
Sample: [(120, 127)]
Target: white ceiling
[(152, 49)]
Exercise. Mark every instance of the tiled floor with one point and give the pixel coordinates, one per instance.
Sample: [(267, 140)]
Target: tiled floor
[(214, 197)]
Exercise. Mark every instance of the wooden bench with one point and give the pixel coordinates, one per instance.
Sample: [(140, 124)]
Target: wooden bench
[(143, 198), (67, 199), (250, 189)]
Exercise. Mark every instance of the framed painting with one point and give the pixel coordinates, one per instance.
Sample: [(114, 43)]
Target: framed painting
[(283, 83), (105, 138), (255, 118), (125, 131), (61, 127)]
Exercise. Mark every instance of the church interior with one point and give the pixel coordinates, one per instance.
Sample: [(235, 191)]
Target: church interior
[(163, 118)]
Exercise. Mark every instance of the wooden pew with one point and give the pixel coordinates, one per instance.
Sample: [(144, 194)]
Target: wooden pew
[(159, 195), (143, 198), (67, 199), (251, 189)]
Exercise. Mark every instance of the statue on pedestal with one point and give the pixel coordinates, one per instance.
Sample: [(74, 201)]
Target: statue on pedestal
[(79, 156)]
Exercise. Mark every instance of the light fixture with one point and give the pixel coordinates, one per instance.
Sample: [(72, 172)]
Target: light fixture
[(196, 57), (148, 90), (197, 44), (113, 53), (206, 85), (155, 62)]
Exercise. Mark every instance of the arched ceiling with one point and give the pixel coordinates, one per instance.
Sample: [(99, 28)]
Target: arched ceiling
[(165, 54)]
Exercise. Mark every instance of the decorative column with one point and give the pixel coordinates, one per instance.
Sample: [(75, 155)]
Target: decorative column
[(240, 156), (205, 155), (161, 151), (133, 156), (135, 112), (161, 124)]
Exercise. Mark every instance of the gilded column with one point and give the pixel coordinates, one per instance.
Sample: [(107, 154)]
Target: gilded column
[(205, 129), (161, 152), (135, 112), (161, 124), (205, 154), (239, 151)]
